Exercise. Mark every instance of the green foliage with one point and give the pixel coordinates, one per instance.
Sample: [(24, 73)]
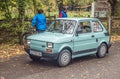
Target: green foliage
[(14, 12), (78, 14), (118, 9), (12, 31), (4, 7)]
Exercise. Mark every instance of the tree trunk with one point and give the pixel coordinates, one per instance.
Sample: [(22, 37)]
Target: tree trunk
[(35, 7), (21, 10), (113, 5)]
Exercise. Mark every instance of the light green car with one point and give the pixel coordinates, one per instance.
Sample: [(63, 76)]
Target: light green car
[(68, 38)]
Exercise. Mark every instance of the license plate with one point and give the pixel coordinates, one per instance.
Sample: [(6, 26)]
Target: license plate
[(36, 53)]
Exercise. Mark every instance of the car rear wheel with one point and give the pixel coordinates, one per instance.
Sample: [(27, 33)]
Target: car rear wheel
[(64, 58), (102, 51), (34, 58)]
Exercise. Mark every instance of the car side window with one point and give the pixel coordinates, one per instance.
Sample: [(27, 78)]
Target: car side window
[(96, 26), (84, 27)]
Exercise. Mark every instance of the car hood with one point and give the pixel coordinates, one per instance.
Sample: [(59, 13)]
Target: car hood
[(51, 37)]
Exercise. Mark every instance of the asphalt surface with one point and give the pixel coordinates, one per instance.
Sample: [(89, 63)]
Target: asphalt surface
[(88, 67)]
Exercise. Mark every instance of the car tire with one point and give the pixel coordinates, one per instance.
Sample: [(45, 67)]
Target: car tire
[(34, 58), (64, 58), (102, 51)]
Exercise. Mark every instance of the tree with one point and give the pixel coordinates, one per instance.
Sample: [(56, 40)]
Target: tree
[(5, 8), (113, 6), (34, 4), (21, 10), (60, 5)]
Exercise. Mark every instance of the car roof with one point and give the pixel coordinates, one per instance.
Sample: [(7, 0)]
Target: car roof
[(78, 18)]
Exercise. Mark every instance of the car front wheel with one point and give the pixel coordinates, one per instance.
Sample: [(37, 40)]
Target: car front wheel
[(64, 58), (102, 51)]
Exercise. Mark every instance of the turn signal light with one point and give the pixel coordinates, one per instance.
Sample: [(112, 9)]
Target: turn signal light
[(48, 50)]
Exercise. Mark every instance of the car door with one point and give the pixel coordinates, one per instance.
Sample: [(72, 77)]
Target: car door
[(84, 41), (98, 31)]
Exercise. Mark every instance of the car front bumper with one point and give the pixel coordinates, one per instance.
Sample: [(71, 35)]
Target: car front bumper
[(44, 54)]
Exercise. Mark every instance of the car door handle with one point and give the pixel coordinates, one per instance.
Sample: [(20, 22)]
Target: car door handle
[(93, 36)]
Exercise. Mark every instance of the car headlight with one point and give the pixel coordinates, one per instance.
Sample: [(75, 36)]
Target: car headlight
[(50, 45)]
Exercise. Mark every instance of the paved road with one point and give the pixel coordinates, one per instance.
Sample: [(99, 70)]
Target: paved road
[(88, 67)]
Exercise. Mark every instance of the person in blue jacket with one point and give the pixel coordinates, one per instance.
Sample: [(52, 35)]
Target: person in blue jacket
[(39, 21), (63, 13)]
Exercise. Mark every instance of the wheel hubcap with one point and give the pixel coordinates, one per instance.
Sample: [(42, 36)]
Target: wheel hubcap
[(103, 50), (65, 58)]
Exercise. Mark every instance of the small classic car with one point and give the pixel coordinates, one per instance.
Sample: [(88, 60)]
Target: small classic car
[(68, 38)]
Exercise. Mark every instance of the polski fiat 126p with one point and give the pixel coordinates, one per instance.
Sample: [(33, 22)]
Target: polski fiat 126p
[(68, 38)]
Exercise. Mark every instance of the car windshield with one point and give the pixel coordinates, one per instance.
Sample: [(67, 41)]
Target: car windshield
[(62, 26)]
